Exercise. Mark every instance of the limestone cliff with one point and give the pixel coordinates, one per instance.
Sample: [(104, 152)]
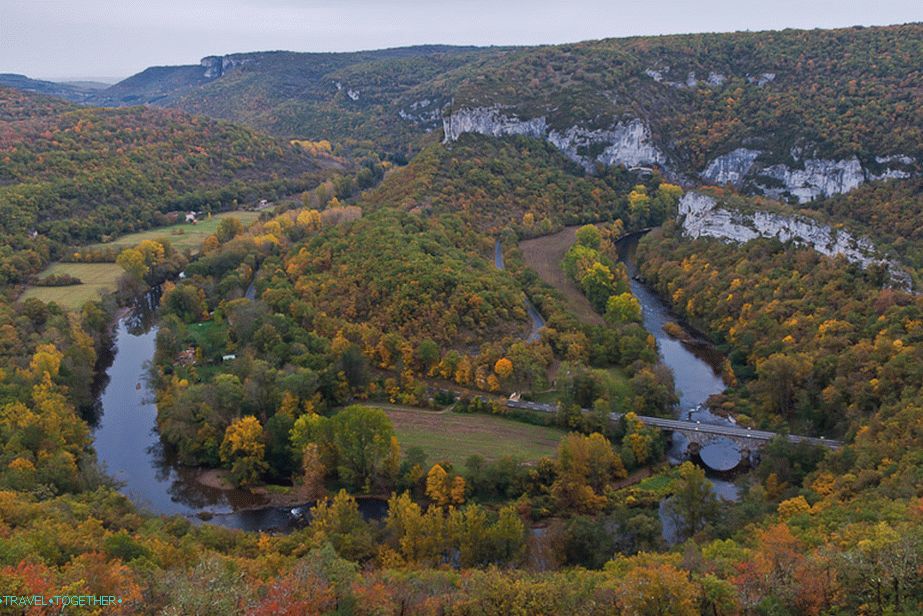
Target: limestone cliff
[(701, 216), (625, 143), (802, 180)]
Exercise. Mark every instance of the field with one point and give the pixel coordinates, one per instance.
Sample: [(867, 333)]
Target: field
[(454, 437), (544, 255), (182, 235), (97, 278), (100, 278)]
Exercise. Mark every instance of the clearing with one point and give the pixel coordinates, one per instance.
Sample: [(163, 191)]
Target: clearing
[(182, 235), (101, 278), (97, 279), (544, 255), (455, 436)]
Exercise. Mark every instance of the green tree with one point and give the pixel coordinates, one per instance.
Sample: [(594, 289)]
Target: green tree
[(589, 236), (623, 308), (228, 229), (340, 522), (693, 503), (362, 438)]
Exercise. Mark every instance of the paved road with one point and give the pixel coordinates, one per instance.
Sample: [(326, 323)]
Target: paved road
[(678, 425)]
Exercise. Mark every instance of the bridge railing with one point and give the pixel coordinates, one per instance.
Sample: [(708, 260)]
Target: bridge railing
[(679, 425)]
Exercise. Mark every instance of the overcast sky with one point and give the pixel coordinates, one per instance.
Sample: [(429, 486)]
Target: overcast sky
[(57, 39)]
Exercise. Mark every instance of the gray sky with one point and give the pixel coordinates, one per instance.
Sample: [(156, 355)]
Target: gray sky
[(55, 39)]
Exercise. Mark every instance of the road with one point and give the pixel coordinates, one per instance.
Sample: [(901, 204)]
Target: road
[(678, 425)]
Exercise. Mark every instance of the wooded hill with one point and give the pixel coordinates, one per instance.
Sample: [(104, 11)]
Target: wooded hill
[(835, 92)]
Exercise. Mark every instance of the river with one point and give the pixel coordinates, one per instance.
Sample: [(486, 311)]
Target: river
[(129, 447), (696, 366), (696, 371), (128, 444)]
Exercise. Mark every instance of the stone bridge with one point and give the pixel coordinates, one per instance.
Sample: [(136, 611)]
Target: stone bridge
[(696, 432)]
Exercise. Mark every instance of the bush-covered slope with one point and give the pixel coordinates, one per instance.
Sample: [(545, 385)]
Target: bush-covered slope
[(72, 174), (832, 93)]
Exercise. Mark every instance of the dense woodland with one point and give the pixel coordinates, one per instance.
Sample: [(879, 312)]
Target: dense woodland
[(71, 175), (833, 93), (371, 284)]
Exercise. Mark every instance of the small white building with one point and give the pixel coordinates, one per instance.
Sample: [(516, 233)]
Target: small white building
[(191, 218)]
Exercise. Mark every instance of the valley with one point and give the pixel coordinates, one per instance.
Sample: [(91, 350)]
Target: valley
[(628, 325)]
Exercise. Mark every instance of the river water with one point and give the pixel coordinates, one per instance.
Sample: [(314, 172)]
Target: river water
[(129, 447), (128, 444), (697, 376)]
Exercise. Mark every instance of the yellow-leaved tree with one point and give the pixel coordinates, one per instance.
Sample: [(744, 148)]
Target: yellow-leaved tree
[(243, 450)]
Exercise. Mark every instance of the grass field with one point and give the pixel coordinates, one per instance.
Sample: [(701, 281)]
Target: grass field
[(100, 278), (454, 437), (182, 235), (97, 278)]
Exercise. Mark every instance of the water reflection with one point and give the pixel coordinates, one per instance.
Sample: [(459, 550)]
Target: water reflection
[(128, 445)]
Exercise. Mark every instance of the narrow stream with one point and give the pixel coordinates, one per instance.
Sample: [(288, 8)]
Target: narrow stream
[(537, 321)]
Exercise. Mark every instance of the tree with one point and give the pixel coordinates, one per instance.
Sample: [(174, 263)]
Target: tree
[(427, 355), (587, 543), (309, 220), (693, 503), (780, 377), (437, 485), (598, 284), (623, 308), (457, 491), (657, 589), (340, 522), (242, 450), (585, 466), (589, 236), (132, 261), (503, 368), (228, 229), (313, 473), (362, 438)]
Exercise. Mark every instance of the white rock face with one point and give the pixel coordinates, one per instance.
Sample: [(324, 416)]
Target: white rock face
[(490, 121), (700, 216), (762, 79), (216, 66), (626, 143), (730, 168), (819, 178)]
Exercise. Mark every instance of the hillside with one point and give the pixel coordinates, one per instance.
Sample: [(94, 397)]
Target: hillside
[(74, 174), (792, 114), (337, 96)]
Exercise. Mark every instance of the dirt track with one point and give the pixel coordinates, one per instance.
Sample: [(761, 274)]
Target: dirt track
[(544, 255)]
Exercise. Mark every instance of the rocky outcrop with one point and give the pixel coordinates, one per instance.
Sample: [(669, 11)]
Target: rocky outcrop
[(216, 66), (804, 180), (762, 79), (491, 121), (730, 168), (819, 178), (626, 143), (714, 80), (701, 216)]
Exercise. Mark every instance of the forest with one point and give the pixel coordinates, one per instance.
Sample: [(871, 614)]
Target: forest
[(388, 273), (72, 175)]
